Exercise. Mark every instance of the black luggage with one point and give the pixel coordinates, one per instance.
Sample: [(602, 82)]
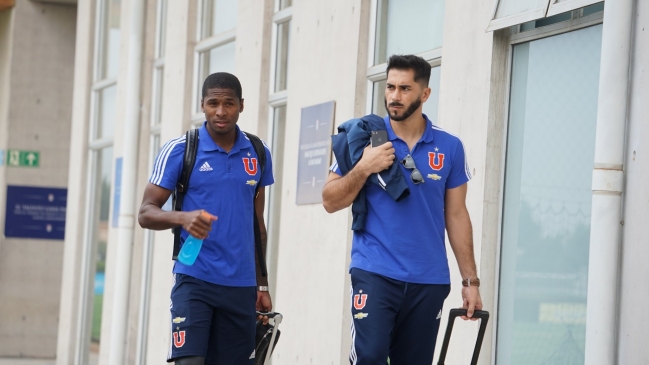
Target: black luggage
[(266, 334), (458, 312)]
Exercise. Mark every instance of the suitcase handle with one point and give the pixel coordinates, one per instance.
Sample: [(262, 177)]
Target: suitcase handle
[(270, 315), (458, 312)]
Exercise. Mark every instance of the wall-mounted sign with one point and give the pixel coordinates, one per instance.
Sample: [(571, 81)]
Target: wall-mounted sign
[(315, 150), (34, 212), (2, 157), (20, 158)]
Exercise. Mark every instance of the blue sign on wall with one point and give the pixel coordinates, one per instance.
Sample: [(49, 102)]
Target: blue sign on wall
[(315, 149), (34, 212)]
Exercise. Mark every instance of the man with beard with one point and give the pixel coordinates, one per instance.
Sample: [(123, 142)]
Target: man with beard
[(399, 269), (213, 300)]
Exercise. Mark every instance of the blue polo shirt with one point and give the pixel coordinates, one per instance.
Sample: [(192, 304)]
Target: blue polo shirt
[(223, 184), (405, 240)]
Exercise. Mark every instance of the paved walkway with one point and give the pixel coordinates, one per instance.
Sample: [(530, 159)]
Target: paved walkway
[(21, 361)]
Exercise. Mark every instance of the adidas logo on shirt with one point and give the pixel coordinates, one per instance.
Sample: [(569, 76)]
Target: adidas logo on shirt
[(206, 167)]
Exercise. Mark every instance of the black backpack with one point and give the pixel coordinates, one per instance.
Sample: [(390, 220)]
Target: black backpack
[(191, 146)]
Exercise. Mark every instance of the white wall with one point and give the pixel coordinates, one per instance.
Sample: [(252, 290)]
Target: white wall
[(463, 110), (633, 323), (38, 105), (313, 245)]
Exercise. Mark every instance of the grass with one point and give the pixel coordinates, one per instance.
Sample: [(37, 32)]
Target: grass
[(97, 306)]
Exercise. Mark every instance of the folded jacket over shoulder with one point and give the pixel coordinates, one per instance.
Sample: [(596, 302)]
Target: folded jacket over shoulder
[(348, 146)]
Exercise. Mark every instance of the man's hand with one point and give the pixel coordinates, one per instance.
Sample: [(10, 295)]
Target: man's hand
[(377, 159), (198, 223), (471, 301), (264, 304)]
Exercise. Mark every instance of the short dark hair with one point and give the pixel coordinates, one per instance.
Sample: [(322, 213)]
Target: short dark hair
[(222, 80), (411, 62)]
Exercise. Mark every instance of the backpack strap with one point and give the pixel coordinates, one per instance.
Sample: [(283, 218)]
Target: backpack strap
[(191, 146), (261, 154)]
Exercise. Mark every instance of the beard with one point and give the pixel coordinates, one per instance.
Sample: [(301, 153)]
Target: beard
[(406, 114)]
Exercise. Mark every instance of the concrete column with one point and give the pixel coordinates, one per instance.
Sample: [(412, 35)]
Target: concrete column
[(608, 179)]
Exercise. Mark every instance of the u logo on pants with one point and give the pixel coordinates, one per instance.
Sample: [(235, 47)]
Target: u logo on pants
[(394, 319)]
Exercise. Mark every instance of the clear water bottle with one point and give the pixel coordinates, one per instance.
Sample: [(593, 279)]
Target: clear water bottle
[(189, 252)]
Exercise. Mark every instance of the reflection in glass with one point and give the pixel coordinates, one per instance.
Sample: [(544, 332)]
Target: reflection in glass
[(283, 4), (109, 57), (547, 200), (106, 112), (592, 9), (99, 234), (157, 96), (218, 59), (430, 107), (281, 61), (162, 28), (408, 27), (218, 16)]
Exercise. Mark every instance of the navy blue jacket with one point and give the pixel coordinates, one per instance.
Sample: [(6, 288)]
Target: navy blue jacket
[(348, 146)]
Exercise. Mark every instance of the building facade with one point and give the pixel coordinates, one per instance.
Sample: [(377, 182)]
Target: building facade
[(548, 97)]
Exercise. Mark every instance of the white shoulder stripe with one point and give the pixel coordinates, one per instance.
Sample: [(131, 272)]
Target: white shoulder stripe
[(163, 156), (466, 163)]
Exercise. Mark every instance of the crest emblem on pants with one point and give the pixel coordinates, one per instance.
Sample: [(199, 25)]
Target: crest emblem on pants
[(179, 339), (359, 301)]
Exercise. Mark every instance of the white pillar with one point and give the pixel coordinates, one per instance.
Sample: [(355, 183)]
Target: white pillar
[(126, 220), (608, 184)]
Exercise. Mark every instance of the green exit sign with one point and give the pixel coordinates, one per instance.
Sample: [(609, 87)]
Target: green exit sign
[(22, 158)]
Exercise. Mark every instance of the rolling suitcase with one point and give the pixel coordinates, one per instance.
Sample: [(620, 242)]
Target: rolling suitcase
[(266, 334), (458, 312)]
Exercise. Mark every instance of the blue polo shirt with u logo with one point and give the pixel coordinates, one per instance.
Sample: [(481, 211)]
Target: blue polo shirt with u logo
[(404, 240), (223, 184)]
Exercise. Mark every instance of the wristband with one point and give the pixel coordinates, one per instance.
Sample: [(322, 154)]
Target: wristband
[(262, 288), (471, 282)]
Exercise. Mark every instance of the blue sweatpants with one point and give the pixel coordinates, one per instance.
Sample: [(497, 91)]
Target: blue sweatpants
[(396, 319), (212, 321)]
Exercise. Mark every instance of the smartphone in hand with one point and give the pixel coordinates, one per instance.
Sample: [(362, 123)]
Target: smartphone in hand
[(378, 138)]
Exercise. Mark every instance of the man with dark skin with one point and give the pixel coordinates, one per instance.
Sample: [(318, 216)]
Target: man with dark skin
[(214, 300), (399, 270)]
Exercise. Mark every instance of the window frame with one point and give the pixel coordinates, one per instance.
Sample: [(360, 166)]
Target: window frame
[(95, 146), (376, 73), (557, 7), (516, 38), (205, 45), (276, 100), (516, 19)]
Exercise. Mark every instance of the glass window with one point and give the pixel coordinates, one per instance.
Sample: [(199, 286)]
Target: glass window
[(547, 199), (398, 21), (281, 61), (100, 225), (430, 106), (157, 95), (106, 112), (162, 28), (217, 59), (562, 6), (109, 57), (593, 9), (283, 4), (218, 16)]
